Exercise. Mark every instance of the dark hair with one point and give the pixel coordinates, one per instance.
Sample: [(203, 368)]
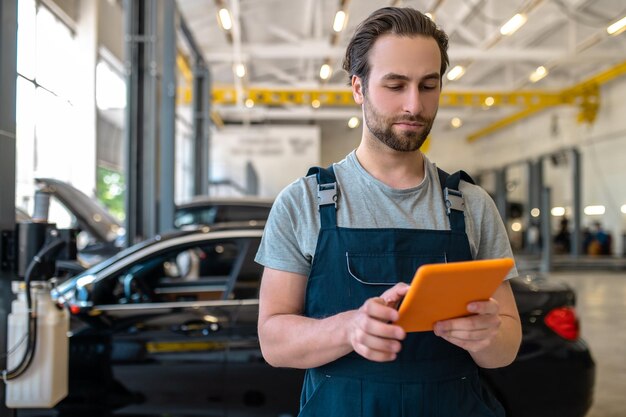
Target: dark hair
[(395, 20)]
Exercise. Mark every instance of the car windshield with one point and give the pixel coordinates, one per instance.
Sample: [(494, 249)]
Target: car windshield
[(106, 263), (219, 213)]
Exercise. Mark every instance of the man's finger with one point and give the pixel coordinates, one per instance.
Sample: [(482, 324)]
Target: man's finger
[(394, 294), (377, 308), (373, 354)]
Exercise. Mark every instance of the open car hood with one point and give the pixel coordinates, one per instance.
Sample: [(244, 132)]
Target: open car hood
[(91, 216)]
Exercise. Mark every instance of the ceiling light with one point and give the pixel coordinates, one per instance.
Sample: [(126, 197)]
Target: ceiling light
[(354, 122), (594, 210), (249, 103), (489, 101), (456, 73), (623, 209), (516, 226), (538, 74), (535, 212), (325, 72), (225, 20), (456, 122), (340, 21), (316, 104), (513, 24), (557, 211), (240, 70), (617, 27)]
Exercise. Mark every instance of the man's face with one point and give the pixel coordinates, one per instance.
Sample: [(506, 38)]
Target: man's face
[(402, 96)]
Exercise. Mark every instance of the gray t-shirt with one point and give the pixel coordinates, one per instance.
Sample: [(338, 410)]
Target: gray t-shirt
[(290, 236)]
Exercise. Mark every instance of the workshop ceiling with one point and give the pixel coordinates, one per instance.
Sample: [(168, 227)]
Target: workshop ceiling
[(284, 43)]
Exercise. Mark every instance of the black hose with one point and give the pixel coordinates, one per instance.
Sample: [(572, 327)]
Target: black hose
[(27, 359)]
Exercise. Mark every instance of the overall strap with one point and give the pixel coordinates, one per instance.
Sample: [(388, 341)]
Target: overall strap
[(453, 198), (326, 195)]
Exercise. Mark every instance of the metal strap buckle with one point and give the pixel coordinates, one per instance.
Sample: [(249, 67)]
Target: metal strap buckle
[(327, 194), (454, 200)]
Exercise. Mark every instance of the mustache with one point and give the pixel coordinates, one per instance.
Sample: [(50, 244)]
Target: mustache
[(413, 119)]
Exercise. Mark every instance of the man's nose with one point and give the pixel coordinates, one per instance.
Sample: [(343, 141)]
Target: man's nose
[(412, 101)]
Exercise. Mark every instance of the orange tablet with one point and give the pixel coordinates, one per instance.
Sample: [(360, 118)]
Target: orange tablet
[(442, 291)]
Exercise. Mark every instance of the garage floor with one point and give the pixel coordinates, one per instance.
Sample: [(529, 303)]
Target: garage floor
[(601, 307)]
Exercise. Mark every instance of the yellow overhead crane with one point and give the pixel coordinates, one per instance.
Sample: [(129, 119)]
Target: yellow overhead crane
[(585, 95)]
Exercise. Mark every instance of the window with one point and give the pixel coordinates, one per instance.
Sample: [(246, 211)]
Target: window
[(45, 99), (204, 271)]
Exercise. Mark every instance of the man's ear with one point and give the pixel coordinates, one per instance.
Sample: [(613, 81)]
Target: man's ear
[(357, 89)]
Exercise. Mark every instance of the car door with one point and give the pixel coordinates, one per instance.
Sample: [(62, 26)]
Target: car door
[(253, 387), (173, 323)]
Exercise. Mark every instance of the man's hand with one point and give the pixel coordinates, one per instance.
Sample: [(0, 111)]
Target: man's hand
[(371, 333), (472, 333)]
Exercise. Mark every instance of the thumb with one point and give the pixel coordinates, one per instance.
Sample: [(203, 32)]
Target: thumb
[(395, 293)]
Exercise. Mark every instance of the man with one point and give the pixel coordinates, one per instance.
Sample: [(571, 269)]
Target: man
[(340, 246)]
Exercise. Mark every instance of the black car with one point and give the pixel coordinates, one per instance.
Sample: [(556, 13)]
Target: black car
[(168, 327), (207, 210), (103, 235), (554, 372)]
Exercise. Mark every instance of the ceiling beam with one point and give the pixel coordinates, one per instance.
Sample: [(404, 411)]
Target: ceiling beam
[(585, 94), (319, 49)]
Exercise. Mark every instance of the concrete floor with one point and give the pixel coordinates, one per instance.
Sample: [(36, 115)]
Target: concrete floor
[(601, 306)]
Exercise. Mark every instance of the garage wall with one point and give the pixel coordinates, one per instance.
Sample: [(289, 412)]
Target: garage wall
[(261, 160), (338, 140), (602, 146)]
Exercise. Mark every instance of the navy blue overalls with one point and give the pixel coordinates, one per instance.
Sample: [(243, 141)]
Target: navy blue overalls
[(430, 377)]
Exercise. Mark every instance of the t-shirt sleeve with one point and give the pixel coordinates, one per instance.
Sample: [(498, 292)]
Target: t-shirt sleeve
[(487, 229), (280, 248)]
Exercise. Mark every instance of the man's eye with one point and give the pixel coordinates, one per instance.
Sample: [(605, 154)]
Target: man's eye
[(394, 87)]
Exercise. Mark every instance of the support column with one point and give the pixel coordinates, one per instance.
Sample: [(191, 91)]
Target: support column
[(577, 205), (501, 200), (141, 109), (546, 231), (167, 134), (8, 74), (534, 201), (201, 124), (201, 114)]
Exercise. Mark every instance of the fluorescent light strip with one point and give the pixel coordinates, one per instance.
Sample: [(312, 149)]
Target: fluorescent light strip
[(325, 72), (538, 74), (225, 20), (513, 24), (340, 21), (594, 210), (456, 73), (240, 70), (557, 211), (617, 27)]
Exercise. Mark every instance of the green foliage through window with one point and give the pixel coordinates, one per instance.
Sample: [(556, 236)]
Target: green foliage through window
[(110, 189)]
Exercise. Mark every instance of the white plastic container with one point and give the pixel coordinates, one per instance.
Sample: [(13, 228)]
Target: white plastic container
[(45, 382)]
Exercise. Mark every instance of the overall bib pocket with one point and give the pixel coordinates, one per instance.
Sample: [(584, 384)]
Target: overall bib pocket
[(385, 269)]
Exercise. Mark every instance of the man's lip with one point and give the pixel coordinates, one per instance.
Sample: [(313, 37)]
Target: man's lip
[(414, 124)]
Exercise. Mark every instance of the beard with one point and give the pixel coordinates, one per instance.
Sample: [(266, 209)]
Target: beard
[(381, 128)]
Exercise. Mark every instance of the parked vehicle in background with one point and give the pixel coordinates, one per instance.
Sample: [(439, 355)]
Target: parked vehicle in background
[(210, 210), (103, 235), (169, 327), (554, 372)]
